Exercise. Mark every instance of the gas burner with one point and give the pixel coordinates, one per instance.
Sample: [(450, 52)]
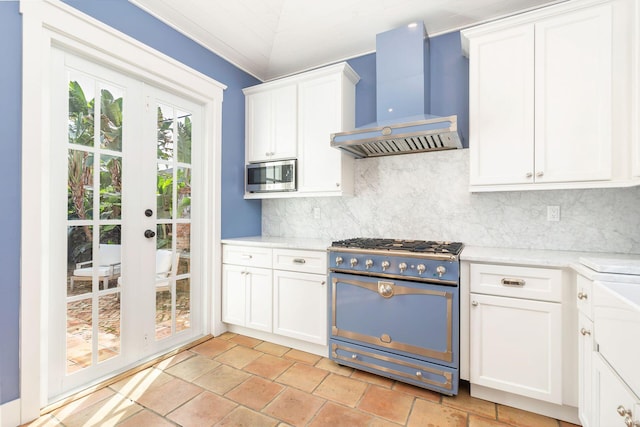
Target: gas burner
[(401, 245)]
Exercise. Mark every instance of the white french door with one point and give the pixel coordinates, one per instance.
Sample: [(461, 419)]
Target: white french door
[(125, 219)]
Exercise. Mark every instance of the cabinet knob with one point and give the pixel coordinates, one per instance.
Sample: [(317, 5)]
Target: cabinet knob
[(529, 174), (474, 303), (584, 331), (582, 295), (622, 411), (419, 374), (354, 356), (539, 174), (323, 283)]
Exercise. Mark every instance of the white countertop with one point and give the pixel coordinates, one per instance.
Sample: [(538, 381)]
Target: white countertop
[(280, 242)]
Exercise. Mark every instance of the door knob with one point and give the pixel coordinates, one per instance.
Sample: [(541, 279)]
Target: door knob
[(149, 234), (148, 212)]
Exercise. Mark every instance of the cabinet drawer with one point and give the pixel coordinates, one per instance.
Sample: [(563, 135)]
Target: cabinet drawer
[(543, 284), (302, 261), (584, 295), (249, 256)]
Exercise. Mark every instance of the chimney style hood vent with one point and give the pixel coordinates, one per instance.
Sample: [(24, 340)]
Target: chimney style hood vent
[(402, 98)]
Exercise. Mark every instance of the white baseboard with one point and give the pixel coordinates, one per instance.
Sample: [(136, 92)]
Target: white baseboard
[(10, 414), (320, 350)]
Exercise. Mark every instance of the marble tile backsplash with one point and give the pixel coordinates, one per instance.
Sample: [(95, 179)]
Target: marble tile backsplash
[(426, 196)]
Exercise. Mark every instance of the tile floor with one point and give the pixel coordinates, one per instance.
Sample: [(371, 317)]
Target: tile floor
[(234, 380)]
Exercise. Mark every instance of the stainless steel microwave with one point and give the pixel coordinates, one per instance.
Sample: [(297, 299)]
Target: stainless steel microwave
[(271, 176)]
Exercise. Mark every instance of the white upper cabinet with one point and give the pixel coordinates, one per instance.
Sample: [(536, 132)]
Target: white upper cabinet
[(550, 99), (271, 124), (294, 117)]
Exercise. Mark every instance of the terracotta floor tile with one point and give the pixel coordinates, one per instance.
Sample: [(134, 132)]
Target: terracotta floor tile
[(106, 413), (294, 407), (389, 404), (464, 401), (84, 402), (245, 341), (332, 366), (332, 414), (520, 418), (341, 389), (47, 420), (147, 419), (430, 413), (226, 336), (302, 356), (372, 378), (193, 367), (222, 379), (242, 416), (302, 376), (170, 361), (478, 421), (271, 348), (135, 386), (239, 356), (169, 396), (206, 409), (268, 366), (255, 392), (381, 422), (213, 347), (422, 393)]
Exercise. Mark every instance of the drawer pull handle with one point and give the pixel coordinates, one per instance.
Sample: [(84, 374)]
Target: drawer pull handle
[(247, 256), (582, 295), (299, 260), (512, 282), (622, 411), (584, 331)]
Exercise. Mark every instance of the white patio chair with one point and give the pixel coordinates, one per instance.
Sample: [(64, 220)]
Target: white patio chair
[(109, 268), (165, 267)]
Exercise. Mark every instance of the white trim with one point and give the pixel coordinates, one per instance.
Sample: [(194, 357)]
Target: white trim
[(51, 22), (10, 413)]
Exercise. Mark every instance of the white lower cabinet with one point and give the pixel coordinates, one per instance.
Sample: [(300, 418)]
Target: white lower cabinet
[(614, 404), (245, 290), (585, 365), (300, 306), (516, 346), (279, 291)]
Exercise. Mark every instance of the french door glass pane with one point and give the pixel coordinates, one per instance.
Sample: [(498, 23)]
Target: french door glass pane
[(184, 192), (110, 187), (165, 130), (164, 194), (184, 137), (111, 118), (163, 312), (79, 256), (81, 109), (80, 185), (79, 334), (108, 326), (183, 304)]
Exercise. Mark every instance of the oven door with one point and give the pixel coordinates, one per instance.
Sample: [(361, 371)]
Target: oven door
[(413, 319)]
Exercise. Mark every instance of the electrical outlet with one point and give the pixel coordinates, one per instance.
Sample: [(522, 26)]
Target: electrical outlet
[(553, 213)]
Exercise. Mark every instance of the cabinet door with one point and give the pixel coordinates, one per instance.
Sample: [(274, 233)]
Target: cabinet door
[(585, 353), (233, 294), (612, 396), (515, 346), (573, 107), (271, 117), (300, 306), (320, 165), (259, 300), (501, 94)]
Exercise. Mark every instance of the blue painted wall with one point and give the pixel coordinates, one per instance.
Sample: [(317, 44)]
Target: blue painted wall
[(10, 111), (449, 95)]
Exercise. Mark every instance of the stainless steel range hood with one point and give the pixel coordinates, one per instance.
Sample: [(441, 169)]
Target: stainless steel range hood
[(402, 102)]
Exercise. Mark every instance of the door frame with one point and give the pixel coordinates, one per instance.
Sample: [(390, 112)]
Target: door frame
[(48, 23)]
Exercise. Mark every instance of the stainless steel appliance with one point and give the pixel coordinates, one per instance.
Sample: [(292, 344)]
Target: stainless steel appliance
[(271, 176), (394, 309)]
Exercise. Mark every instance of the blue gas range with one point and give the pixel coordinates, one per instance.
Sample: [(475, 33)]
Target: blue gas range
[(394, 309)]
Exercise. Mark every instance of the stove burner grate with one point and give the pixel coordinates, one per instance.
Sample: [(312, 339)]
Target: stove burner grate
[(427, 246)]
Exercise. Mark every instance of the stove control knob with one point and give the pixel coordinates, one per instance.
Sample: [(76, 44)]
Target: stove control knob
[(339, 260), (441, 270), (368, 263), (402, 266), (385, 265), (421, 268), (353, 262)]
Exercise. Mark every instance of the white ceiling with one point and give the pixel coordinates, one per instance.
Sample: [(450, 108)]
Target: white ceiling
[(274, 38)]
